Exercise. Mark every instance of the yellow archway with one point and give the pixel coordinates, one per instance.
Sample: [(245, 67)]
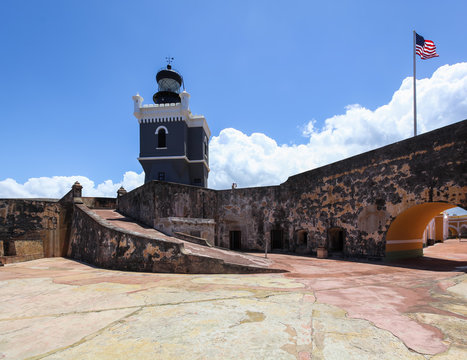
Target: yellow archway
[(405, 235), (453, 232)]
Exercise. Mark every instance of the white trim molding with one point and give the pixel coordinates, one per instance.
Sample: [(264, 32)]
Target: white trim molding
[(161, 127), (161, 113), (175, 157)]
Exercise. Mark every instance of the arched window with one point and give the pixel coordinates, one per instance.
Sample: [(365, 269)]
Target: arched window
[(161, 133)]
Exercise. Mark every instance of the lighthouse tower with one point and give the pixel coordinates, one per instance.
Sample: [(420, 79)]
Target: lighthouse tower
[(174, 143)]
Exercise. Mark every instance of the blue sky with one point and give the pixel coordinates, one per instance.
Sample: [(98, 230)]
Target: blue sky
[(69, 68)]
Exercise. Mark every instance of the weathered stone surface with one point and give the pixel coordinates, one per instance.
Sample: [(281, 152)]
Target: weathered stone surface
[(30, 227), (346, 206), (151, 202), (101, 243), (100, 202), (34, 228), (202, 231), (26, 247), (57, 308)]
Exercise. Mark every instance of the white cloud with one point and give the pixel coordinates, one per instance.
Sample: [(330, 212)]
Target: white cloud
[(57, 186), (256, 159)]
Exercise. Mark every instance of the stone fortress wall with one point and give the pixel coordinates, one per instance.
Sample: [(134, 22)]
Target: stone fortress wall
[(71, 227), (371, 205), (30, 228), (36, 228)]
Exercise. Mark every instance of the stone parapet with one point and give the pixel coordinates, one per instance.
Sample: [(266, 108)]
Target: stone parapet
[(98, 242), (347, 207)]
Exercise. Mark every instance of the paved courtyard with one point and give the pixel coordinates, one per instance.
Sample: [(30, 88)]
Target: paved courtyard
[(57, 308)]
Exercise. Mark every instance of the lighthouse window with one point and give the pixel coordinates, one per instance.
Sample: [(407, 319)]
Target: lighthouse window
[(161, 137)]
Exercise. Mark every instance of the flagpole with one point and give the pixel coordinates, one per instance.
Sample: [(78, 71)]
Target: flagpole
[(414, 88)]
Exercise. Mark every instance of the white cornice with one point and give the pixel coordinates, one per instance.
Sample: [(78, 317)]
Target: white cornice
[(150, 120), (149, 106), (182, 157), (199, 121), (155, 113)]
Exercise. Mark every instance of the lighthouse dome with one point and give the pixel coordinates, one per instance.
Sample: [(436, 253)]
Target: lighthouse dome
[(169, 82)]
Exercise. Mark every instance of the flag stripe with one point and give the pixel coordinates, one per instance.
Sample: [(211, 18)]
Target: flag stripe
[(426, 49)]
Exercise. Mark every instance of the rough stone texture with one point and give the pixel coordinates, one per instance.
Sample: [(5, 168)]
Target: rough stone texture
[(26, 247), (198, 228), (30, 227), (109, 244), (100, 202), (365, 193), (254, 212), (157, 200), (57, 308), (35, 228), (360, 196), (191, 238)]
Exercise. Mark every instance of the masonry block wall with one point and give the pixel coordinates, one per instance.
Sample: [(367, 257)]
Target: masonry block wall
[(348, 206), (96, 241), (370, 205), (36, 228), (159, 200), (30, 228)]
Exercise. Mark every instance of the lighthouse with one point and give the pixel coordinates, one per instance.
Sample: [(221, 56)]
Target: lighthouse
[(174, 143)]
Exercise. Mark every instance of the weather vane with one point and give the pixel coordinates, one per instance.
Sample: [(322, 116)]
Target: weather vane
[(169, 59)]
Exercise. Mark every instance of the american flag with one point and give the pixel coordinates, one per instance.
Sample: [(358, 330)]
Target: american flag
[(425, 48)]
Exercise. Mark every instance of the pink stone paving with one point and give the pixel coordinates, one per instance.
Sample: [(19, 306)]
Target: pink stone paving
[(57, 308), (381, 293), (386, 293)]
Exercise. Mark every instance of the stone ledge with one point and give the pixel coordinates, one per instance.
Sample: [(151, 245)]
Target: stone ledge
[(19, 258), (191, 238)]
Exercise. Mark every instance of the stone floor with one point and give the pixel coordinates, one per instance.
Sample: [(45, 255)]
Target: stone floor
[(57, 308)]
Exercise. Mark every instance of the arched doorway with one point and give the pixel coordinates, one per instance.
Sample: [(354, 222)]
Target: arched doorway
[(404, 237)]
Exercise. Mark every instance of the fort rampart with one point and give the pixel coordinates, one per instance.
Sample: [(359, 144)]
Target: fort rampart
[(372, 205), (349, 207)]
